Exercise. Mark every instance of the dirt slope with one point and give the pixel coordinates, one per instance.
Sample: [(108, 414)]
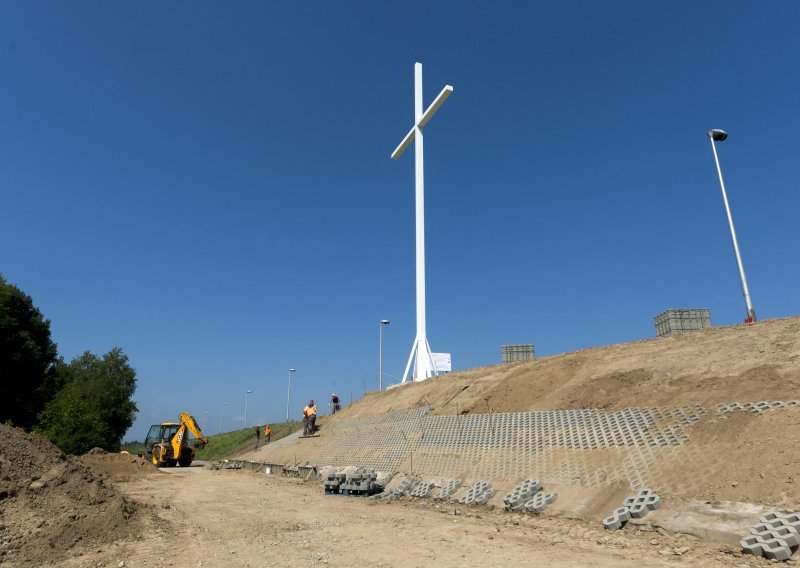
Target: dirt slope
[(711, 366), (737, 456)]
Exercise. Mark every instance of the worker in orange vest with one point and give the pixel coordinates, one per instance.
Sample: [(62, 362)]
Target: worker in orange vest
[(309, 419), (267, 433)]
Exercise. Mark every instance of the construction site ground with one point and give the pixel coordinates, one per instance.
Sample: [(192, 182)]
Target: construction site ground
[(239, 518), (727, 469)]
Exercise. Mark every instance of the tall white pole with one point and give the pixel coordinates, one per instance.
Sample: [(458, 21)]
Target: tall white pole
[(380, 353), (751, 313), (246, 394), (221, 415), (422, 362), (420, 350)]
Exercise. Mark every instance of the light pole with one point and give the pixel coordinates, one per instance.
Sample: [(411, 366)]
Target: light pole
[(380, 352), (246, 394), (288, 393), (221, 415), (717, 135)]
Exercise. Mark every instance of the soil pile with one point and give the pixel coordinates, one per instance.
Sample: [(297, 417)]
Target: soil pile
[(117, 466), (51, 503)]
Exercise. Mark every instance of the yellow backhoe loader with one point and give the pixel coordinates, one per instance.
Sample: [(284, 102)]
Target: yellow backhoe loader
[(167, 444)]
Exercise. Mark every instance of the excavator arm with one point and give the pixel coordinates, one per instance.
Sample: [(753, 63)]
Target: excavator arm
[(190, 423)]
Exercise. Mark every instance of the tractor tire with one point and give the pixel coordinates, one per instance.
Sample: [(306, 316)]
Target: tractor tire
[(172, 462), (185, 462)]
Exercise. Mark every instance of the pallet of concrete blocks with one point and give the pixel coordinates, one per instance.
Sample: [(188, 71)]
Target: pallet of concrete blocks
[(634, 507), (332, 484), (521, 493), (775, 536), (447, 490), (422, 489), (478, 494), (539, 502), (360, 482)]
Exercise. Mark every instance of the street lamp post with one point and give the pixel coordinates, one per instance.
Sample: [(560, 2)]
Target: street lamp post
[(221, 415), (246, 394), (717, 135), (288, 393), (380, 353)]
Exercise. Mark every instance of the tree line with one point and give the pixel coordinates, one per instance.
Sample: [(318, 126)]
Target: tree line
[(80, 404)]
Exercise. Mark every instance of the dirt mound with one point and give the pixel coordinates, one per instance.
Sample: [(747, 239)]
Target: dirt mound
[(51, 504), (118, 467)]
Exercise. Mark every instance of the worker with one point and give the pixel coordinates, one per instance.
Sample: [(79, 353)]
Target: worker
[(258, 435), (335, 405), (309, 419), (267, 433)]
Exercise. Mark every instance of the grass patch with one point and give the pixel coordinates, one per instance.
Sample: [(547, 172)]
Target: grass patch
[(231, 444)]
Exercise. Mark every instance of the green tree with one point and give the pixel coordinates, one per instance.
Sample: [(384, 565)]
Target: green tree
[(27, 358), (95, 406)]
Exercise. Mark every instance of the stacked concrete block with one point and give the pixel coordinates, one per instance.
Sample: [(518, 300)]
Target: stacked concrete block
[(405, 487), (642, 503), (539, 502), (521, 493), (447, 490), (359, 482), (422, 489), (332, 484), (634, 507), (478, 494), (775, 536)]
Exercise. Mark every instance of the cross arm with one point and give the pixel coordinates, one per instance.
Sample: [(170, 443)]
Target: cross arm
[(426, 116), (437, 102), (404, 144)]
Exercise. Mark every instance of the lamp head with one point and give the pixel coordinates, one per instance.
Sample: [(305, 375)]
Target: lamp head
[(717, 135), (384, 322), (292, 370)]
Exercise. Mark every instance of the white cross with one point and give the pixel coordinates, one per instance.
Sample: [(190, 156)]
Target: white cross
[(424, 367)]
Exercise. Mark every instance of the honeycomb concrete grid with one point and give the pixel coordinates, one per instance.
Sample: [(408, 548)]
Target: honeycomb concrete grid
[(776, 535), (521, 493), (478, 494), (449, 488), (553, 446), (634, 507)]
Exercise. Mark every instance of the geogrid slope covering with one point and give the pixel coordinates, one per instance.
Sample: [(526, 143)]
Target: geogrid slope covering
[(589, 447)]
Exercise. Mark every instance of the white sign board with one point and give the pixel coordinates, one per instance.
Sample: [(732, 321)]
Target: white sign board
[(441, 362)]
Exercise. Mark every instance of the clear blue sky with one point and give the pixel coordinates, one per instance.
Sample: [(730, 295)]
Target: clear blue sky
[(208, 185)]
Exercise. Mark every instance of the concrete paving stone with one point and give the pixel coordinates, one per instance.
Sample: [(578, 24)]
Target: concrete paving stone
[(762, 528), (776, 549), (622, 513), (787, 534), (751, 544), (613, 523)]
